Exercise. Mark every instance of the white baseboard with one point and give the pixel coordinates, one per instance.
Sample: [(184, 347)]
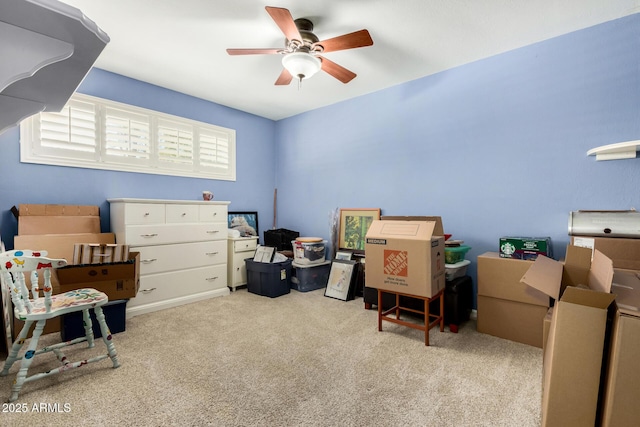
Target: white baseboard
[(174, 302)]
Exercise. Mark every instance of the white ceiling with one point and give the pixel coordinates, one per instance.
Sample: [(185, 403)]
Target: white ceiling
[(180, 44)]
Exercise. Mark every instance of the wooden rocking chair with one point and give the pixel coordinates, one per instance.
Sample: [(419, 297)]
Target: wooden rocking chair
[(34, 308)]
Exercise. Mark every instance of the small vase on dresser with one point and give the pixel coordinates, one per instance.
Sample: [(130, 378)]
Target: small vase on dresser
[(183, 249)]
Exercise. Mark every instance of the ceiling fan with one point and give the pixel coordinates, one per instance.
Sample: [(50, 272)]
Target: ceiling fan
[(302, 52)]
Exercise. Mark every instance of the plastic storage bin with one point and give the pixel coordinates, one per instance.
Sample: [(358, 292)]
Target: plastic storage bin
[(115, 312), (268, 279), (306, 252), (307, 278), (459, 269), (455, 254)]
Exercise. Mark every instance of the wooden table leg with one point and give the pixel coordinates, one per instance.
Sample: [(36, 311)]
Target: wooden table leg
[(379, 310), (427, 321), (442, 311)]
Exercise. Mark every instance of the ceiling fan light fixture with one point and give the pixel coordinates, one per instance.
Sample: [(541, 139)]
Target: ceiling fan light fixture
[(301, 64)]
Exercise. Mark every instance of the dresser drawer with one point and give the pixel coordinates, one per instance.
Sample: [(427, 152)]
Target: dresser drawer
[(166, 286), (163, 258), (147, 235), (245, 245), (144, 213), (181, 213), (213, 213)]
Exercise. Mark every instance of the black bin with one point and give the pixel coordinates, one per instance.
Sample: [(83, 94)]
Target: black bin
[(269, 279), (280, 238)]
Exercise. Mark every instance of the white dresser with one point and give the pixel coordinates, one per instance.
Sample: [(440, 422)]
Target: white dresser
[(183, 249), (239, 249)]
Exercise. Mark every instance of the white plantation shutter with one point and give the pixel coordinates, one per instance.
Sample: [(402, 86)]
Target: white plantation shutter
[(69, 133), (175, 143), (101, 134), (127, 135), (214, 150)]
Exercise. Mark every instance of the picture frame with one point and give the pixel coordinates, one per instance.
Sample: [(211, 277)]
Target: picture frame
[(245, 222), (344, 255), (341, 280), (354, 224), (264, 254)]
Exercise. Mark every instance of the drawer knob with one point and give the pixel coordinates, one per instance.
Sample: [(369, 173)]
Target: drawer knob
[(211, 253), (146, 214), (212, 231), (209, 279), (149, 235), (146, 291), (148, 260), (184, 214)]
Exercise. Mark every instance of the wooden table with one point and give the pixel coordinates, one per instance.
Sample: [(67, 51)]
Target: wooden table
[(397, 309)]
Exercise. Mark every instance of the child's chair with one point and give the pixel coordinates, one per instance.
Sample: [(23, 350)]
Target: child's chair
[(34, 308)]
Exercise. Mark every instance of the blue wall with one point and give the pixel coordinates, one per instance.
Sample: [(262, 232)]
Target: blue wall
[(497, 147)]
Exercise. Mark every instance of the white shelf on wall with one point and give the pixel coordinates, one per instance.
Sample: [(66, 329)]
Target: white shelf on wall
[(47, 48), (620, 150)]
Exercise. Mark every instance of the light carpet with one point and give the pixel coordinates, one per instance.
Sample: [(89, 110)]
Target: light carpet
[(301, 359)]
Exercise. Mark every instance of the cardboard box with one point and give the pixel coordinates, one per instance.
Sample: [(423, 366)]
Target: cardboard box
[(624, 252), (438, 230), (60, 245), (622, 391), (500, 278), (119, 280), (525, 247), (508, 308), (70, 210), (98, 253), (405, 257), (58, 224), (574, 349), (511, 320)]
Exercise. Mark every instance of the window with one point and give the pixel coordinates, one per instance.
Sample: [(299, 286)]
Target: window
[(96, 133)]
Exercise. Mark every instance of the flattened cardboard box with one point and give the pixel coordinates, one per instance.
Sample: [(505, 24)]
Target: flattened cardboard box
[(58, 224), (405, 257), (622, 391), (574, 348), (119, 280), (69, 210)]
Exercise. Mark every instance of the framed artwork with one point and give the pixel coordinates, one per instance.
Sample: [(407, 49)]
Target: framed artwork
[(264, 254), (343, 255), (354, 224), (245, 222), (340, 283)]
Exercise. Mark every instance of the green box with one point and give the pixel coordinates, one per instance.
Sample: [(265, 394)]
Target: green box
[(525, 247)]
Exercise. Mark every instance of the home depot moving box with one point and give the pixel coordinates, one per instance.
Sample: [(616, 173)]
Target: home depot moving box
[(624, 252), (574, 349), (620, 406), (405, 257), (508, 308)]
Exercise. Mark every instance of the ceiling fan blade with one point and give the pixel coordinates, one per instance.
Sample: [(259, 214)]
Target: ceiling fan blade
[(285, 78), (360, 38), (284, 20), (253, 51), (337, 71)]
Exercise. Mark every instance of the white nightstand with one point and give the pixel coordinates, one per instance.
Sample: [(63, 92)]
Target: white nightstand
[(239, 249)]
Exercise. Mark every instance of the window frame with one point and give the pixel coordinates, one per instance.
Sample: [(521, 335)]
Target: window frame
[(32, 149)]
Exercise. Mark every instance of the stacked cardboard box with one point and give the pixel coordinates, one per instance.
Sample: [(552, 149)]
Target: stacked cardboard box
[(56, 229), (507, 308)]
